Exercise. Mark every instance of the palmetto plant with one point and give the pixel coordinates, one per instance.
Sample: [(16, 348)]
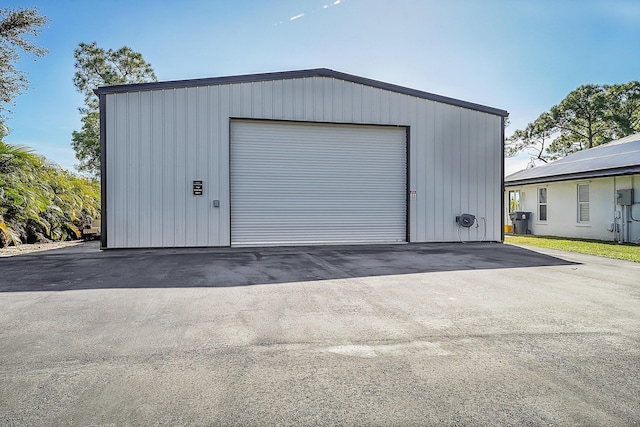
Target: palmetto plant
[(39, 200)]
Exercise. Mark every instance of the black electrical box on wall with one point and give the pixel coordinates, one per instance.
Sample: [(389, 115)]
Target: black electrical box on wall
[(625, 197)]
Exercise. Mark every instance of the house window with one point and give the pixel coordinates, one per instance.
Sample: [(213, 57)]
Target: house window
[(583, 202), (514, 200), (542, 204)]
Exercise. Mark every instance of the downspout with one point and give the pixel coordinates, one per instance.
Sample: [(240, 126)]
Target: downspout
[(628, 218), (631, 208), (625, 214), (501, 184), (624, 218), (616, 232), (633, 203)]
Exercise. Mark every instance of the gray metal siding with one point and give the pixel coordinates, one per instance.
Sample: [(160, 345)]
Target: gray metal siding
[(298, 75), (294, 183), (159, 141)]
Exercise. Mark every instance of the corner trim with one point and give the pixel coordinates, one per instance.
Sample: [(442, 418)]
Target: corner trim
[(103, 171), (502, 187), (407, 130)]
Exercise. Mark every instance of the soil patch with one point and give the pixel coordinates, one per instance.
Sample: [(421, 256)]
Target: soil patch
[(35, 247)]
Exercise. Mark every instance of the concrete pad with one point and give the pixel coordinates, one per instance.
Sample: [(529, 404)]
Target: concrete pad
[(444, 334)]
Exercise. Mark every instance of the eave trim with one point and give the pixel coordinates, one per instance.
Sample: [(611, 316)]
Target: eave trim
[(575, 176)]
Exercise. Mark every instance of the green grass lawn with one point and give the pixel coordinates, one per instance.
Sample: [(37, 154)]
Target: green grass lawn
[(628, 252)]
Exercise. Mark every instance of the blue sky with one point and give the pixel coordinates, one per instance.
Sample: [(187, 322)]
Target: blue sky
[(520, 55)]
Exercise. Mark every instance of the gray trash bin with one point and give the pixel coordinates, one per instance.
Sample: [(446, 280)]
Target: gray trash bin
[(520, 221)]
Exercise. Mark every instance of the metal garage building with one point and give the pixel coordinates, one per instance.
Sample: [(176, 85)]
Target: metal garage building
[(300, 157)]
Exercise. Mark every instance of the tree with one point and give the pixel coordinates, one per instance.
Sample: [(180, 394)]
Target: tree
[(580, 118), (624, 108), (96, 67), (10, 153), (14, 26), (587, 117), (534, 138), (86, 143)]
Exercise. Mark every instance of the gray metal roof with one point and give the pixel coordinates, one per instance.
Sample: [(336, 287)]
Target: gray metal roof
[(298, 74), (619, 157)]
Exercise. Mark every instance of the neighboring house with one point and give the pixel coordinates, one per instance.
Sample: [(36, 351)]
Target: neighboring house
[(592, 194), (296, 157)]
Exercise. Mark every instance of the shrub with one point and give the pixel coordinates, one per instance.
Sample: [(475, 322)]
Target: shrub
[(39, 201)]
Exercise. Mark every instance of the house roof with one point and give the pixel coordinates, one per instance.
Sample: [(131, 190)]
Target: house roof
[(298, 74), (619, 157)]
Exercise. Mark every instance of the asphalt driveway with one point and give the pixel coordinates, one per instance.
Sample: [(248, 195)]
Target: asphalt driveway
[(445, 334)]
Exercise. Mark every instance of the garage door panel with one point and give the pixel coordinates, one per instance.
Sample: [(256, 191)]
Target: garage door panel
[(294, 183)]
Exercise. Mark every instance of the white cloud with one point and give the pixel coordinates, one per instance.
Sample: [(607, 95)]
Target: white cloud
[(324, 6)]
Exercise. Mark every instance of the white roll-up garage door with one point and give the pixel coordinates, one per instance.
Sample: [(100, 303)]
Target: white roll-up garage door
[(304, 183)]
